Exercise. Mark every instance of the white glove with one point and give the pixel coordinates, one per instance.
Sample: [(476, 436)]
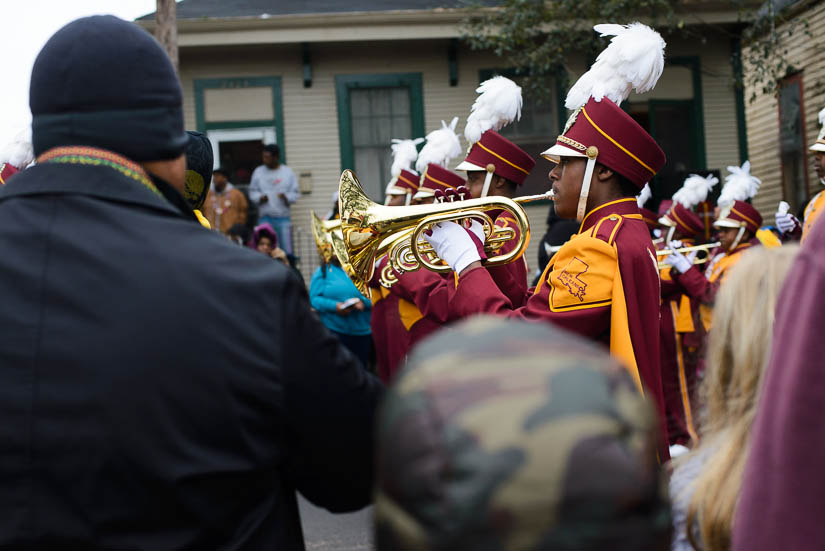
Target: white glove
[(675, 244), (453, 244), (678, 261), (786, 222)]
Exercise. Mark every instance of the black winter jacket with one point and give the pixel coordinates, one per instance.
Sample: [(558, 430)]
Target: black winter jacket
[(161, 387)]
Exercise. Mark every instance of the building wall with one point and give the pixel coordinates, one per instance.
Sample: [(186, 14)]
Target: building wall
[(808, 54), (310, 114), (311, 140)]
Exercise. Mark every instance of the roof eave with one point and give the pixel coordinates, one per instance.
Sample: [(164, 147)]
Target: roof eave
[(352, 26)]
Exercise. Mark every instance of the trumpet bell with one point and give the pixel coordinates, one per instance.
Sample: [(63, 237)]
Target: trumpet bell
[(321, 232)]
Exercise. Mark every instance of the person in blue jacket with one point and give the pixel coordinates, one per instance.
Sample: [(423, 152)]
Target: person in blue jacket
[(342, 308)]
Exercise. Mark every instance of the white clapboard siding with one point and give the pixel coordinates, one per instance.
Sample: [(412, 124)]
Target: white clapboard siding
[(806, 53)]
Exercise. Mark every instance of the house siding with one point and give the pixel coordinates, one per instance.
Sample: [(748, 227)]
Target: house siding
[(808, 54)]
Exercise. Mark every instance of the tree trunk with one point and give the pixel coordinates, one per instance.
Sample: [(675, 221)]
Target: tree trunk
[(167, 29)]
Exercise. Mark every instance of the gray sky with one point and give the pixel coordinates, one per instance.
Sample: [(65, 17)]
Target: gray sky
[(27, 27)]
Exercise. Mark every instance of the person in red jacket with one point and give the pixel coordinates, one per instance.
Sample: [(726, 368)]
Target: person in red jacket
[(604, 282), (397, 322), (736, 229), (681, 333), (497, 166)]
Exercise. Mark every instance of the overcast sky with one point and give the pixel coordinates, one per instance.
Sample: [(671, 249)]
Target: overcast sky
[(26, 28)]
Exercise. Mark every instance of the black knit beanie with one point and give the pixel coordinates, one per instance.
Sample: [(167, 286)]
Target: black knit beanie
[(104, 82)]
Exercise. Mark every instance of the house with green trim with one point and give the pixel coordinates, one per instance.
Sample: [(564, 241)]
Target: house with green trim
[(333, 82)]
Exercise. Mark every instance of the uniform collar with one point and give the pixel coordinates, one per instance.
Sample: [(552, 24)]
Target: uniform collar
[(623, 207)]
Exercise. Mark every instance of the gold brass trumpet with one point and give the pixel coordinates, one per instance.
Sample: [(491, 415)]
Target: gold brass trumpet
[(706, 248), (330, 242), (371, 230), (321, 231)]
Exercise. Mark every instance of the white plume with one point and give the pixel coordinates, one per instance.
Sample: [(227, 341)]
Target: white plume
[(695, 190), (644, 196), (740, 185), (634, 59), (822, 117), (498, 104), (442, 145), (18, 152), (404, 154)]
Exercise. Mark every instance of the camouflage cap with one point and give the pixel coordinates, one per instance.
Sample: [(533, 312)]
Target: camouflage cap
[(503, 434)]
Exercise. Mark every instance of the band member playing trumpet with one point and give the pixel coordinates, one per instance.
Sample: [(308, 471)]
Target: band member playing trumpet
[(681, 332), (497, 166), (397, 322), (736, 228), (604, 282)]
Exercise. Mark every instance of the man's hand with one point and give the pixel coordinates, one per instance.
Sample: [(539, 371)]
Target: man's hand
[(282, 197), (264, 199), (457, 246), (359, 306), (342, 310)]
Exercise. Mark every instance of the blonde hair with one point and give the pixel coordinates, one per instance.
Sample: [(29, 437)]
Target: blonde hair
[(739, 348)]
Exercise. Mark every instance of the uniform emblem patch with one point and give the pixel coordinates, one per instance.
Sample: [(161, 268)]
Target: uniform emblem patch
[(570, 277)]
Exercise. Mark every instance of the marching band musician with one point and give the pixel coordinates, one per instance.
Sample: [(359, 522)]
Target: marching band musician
[(494, 166), (497, 166), (736, 227), (505, 168), (397, 322), (788, 223), (390, 338), (422, 295), (681, 333), (604, 282)]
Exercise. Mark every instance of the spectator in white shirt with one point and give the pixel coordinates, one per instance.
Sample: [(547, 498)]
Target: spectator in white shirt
[(274, 187)]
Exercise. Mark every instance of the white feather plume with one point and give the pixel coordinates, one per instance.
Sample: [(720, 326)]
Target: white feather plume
[(442, 145), (644, 196), (497, 105), (18, 152), (822, 117), (633, 60), (404, 154), (695, 190), (740, 185)]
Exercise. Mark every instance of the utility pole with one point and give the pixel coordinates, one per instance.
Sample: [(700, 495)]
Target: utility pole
[(167, 29)]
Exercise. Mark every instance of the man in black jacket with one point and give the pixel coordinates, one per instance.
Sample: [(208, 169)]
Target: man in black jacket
[(160, 387)]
